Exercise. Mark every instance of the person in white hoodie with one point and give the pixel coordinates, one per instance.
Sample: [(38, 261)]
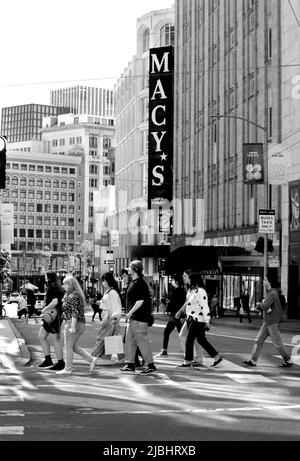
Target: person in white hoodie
[(198, 321), (111, 314)]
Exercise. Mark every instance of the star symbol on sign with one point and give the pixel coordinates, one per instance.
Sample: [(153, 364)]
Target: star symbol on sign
[(163, 156)]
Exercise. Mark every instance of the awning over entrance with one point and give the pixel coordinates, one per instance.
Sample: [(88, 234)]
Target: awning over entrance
[(199, 258), (150, 251)]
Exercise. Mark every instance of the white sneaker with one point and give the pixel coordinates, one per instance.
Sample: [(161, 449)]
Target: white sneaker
[(64, 372), (93, 364)]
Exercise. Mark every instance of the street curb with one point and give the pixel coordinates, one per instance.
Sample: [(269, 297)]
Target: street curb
[(26, 356)]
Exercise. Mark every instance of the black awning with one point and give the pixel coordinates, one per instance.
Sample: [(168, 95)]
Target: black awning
[(199, 258), (150, 251)]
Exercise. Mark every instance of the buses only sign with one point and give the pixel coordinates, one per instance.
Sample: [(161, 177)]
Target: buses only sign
[(266, 221)]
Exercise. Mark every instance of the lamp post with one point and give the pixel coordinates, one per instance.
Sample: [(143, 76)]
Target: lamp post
[(267, 194)]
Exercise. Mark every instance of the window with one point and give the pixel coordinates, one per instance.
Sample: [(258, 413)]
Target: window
[(64, 170), (71, 209), (55, 234), (39, 233), (93, 182), (71, 197), (47, 233), (71, 185), (15, 181), (63, 221), (15, 166), (47, 220), (146, 36), (31, 167), (269, 39), (31, 182), (55, 169), (48, 169), (79, 138), (63, 209), (22, 220), (63, 234), (54, 142), (39, 183), (47, 183), (54, 246), (23, 182), (47, 195), (91, 196), (30, 233), (39, 207), (55, 196), (39, 220), (93, 169), (30, 220), (71, 222), (106, 142), (22, 206), (23, 194), (71, 141), (93, 141), (39, 195), (71, 234), (270, 113), (61, 142), (63, 184), (31, 207), (167, 35), (72, 170), (91, 211), (54, 221), (55, 208), (23, 166), (22, 233), (63, 196), (40, 168)]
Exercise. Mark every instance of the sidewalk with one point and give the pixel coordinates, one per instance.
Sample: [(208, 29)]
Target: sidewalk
[(13, 348)]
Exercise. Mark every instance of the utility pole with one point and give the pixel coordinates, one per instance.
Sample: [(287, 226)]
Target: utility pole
[(267, 192)]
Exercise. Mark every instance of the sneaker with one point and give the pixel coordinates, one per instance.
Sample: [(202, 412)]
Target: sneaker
[(163, 353), (217, 361), (248, 362), (64, 372), (148, 370), (58, 366), (93, 363), (46, 364), (128, 368)]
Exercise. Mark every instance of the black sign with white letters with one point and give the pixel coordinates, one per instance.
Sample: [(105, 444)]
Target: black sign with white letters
[(160, 137)]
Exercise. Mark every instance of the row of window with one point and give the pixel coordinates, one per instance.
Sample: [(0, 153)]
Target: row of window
[(32, 246), (40, 195), (40, 183), (63, 221), (46, 233), (32, 207), (40, 168)]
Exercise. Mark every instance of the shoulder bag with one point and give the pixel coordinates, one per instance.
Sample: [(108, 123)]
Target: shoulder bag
[(49, 314)]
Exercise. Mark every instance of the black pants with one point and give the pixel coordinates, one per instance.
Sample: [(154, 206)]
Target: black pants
[(96, 310), (171, 325), (247, 310), (197, 330)]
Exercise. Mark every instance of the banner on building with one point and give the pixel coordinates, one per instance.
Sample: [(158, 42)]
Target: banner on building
[(160, 135), (6, 225), (277, 164), (253, 163)]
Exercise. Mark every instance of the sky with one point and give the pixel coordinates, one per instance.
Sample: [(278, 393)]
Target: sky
[(48, 45)]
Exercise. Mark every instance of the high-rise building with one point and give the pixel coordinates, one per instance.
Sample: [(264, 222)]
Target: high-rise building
[(24, 122), (136, 236), (83, 99)]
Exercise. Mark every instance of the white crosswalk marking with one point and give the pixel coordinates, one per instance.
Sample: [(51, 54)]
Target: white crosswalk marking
[(249, 378), (11, 430)]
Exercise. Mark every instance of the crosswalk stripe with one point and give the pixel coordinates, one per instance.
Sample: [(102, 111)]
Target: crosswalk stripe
[(11, 430), (249, 378)]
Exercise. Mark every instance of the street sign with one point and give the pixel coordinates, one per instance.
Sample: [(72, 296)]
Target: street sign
[(110, 261), (266, 221)]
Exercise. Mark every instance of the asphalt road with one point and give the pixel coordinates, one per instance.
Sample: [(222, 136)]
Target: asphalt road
[(226, 403)]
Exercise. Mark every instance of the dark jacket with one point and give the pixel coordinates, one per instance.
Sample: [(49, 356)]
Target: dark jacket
[(272, 301), (138, 290), (177, 300)]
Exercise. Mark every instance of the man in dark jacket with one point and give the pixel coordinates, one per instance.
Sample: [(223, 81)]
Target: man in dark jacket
[(138, 303)]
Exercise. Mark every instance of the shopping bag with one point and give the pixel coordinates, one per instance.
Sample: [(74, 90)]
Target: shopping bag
[(113, 345)]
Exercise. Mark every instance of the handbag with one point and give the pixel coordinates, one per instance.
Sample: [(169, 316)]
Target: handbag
[(113, 345), (49, 314)]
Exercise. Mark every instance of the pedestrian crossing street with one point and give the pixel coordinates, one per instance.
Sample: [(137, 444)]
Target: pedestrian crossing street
[(23, 384)]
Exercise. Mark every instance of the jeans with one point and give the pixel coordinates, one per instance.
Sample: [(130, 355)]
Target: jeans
[(137, 335), (197, 330), (71, 345), (171, 325), (264, 332), (198, 354)]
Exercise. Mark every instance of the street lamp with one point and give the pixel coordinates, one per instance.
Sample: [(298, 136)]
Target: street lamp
[(266, 194)]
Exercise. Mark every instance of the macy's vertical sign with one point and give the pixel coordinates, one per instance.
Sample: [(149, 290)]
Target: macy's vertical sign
[(160, 137)]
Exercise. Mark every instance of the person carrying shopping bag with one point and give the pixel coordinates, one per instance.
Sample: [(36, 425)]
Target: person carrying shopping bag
[(74, 323), (111, 314)]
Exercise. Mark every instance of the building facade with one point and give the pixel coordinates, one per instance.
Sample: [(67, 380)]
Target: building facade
[(24, 122), (227, 64), (137, 236), (83, 99), (45, 191)]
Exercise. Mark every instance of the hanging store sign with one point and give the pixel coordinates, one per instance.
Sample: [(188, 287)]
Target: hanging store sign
[(253, 163), (160, 137)]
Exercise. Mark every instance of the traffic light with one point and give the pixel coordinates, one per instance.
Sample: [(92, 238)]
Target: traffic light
[(2, 162)]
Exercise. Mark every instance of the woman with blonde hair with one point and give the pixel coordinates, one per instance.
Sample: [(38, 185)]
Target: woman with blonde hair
[(74, 322)]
